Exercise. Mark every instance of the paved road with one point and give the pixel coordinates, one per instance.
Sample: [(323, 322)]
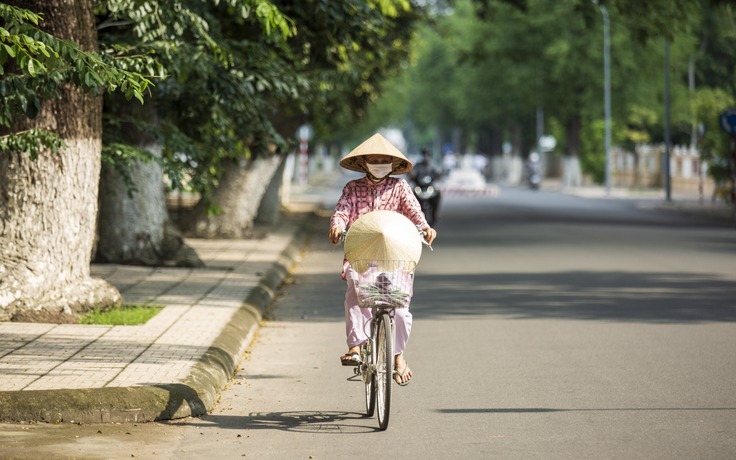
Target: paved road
[(546, 326)]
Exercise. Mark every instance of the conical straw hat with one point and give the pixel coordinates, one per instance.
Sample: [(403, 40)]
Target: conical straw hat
[(376, 145), (383, 235)]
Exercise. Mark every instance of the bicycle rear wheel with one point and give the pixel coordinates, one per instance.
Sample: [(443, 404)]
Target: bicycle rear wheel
[(384, 369)]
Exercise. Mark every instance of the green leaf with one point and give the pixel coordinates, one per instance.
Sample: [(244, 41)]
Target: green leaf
[(9, 50)]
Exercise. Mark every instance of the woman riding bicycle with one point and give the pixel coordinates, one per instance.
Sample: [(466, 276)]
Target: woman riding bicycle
[(378, 158)]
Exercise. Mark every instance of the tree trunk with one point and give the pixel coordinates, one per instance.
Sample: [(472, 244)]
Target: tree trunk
[(134, 228), (49, 206), (572, 175), (269, 211), (572, 128), (131, 225), (515, 171), (235, 201), (495, 138)]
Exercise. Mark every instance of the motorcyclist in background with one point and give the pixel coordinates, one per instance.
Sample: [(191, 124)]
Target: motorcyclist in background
[(423, 176), (534, 171)]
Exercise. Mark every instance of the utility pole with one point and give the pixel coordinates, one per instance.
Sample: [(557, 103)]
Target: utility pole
[(667, 140), (607, 92)]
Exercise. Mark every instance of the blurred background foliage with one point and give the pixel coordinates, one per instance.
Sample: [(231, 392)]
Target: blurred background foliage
[(484, 66), (232, 79)]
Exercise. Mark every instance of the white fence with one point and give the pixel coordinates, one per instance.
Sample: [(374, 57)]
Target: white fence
[(643, 168)]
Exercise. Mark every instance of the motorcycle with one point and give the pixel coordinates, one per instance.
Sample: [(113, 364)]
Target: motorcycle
[(534, 172), (535, 179), (428, 196)]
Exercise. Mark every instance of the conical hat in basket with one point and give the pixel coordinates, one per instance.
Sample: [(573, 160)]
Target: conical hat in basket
[(380, 236), (376, 145)]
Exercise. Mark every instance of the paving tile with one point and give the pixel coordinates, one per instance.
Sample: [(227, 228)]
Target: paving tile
[(198, 304), (16, 335)]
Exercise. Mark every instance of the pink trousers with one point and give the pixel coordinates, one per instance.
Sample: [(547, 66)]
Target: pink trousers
[(357, 321)]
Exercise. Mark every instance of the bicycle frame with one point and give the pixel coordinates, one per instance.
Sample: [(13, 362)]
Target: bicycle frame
[(367, 367)]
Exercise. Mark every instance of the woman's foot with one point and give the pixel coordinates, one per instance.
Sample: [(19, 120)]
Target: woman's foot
[(352, 357), (402, 373)]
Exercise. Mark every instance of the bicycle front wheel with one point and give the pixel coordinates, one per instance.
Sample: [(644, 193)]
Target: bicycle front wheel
[(369, 377), (384, 368)]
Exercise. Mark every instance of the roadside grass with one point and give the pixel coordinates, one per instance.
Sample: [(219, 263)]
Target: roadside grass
[(125, 315)]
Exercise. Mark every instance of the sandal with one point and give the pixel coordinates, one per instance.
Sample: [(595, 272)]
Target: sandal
[(350, 359), (403, 377)]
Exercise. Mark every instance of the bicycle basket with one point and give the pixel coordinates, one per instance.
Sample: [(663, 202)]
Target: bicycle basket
[(383, 283)]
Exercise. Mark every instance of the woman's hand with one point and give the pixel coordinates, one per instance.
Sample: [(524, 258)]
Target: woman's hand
[(335, 235), (429, 234)]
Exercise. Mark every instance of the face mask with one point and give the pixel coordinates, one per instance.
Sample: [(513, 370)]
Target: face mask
[(380, 171)]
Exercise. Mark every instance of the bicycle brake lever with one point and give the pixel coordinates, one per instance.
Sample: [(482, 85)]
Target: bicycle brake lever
[(424, 241)]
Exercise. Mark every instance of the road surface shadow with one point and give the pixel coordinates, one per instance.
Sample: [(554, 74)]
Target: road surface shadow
[(650, 297), (318, 422), (536, 410), (608, 295)]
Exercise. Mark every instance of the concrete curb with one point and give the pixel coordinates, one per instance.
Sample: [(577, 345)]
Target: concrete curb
[(195, 397)]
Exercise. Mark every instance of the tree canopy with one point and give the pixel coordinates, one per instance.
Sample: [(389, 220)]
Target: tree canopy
[(488, 65), (232, 79), (226, 79), (34, 65)]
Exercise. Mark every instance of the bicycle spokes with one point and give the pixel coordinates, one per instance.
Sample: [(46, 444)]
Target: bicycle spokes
[(384, 368)]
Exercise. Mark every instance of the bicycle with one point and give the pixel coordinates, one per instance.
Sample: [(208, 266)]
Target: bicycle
[(382, 286), (383, 255)]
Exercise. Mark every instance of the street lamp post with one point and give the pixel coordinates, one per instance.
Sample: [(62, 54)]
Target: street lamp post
[(607, 92), (667, 139)]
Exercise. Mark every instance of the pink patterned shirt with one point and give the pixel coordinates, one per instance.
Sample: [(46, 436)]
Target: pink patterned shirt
[(361, 196)]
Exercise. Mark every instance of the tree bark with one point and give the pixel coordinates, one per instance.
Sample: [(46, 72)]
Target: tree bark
[(572, 175), (235, 201), (49, 206), (269, 211), (515, 173), (134, 228), (131, 225)]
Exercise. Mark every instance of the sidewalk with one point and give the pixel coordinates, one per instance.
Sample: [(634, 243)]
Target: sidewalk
[(174, 365), (683, 203)]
